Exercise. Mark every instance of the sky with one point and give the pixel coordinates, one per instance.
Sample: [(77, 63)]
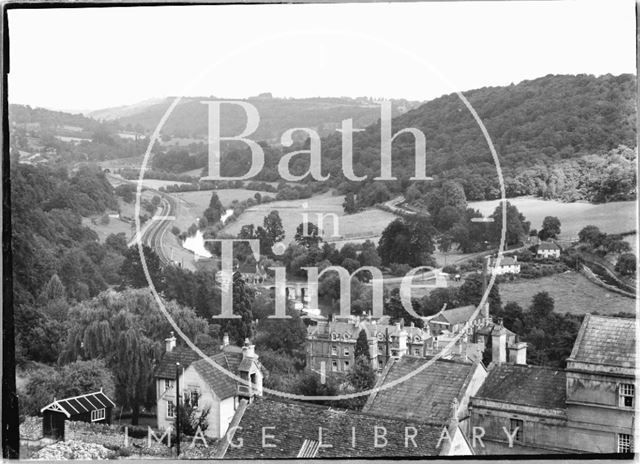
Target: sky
[(91, 58)]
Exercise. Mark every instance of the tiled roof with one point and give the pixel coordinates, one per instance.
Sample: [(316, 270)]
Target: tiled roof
[(607, 341), (296, 426), (373, 329), (537, 386), (456, 315), (548, 246), (166, 369), (505, 261), (81, 404), (426, 396), (223, 385)]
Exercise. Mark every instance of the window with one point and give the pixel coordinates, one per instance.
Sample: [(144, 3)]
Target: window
[(346, 351), (626, 392), (346, 365), (416, 351), (97, 415), (516, 423), (334, 366), (625, 443), (194, 399), (171, 409), (334, 351), (168, 384)]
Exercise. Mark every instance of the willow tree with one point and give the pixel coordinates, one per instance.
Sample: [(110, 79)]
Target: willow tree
[(127, 330)]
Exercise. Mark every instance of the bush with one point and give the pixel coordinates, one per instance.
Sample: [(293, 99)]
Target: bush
[(399, 269)]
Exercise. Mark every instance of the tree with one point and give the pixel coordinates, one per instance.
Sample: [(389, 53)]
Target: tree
[(215, 210), (117, 243), (591, 235), (361, 378), (77, 378), (127, 331), (241, 329), (550, 228), (273, 227), (453, 195), (349, 204), (517, 226), (362, 346), (470, 293), (53, 290), (626, 264), (308, 236), (132, 271), (193, 418), (542, 305), (407, 242)]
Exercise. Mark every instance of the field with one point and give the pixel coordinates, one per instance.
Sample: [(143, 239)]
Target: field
[(349, 228), (572, 292), (115, 226), (614, 217)]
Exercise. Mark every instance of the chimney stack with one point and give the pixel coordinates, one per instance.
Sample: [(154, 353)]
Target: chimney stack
[(518, 353), (402, 341), (170, 343), (499, 346), (248, 350)]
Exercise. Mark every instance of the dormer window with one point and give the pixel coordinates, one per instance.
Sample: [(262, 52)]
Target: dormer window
[(626, 393), (380, 337), (346, 336), (334, 336)]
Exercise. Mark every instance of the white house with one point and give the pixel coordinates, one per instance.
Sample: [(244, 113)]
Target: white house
[(548, 250), (216, 383), (507, 265)]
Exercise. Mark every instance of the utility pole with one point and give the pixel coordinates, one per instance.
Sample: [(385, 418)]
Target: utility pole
[(177, 409)]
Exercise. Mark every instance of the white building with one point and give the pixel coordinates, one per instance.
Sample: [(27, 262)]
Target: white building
[(215, 384), (507, 265), (548, 250)]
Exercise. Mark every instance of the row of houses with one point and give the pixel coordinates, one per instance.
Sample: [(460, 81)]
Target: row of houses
[(460, 407), (425, 403)]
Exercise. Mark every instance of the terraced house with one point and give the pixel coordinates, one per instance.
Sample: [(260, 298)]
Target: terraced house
[(587, 407)]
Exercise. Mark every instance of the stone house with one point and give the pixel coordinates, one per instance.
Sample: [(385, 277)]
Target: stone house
[(587, 407)]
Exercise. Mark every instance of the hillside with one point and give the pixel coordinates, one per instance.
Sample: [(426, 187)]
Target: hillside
[(546, 132), (189, 118)]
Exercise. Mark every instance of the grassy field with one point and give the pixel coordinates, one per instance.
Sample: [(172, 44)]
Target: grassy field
[(615, 217), (115, 226), (572, 292), (349, 227)]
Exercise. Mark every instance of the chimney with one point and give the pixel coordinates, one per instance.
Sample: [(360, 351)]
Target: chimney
[(225, 340), (518, 353), (499, 346), (248, 350), (170, 343), (402, 341)]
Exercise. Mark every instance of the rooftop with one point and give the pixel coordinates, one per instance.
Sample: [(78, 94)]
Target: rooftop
[(295, 435), (526, 385), (80, 404), (426, 396), (607, 341), (219, 381), (166, 369), (456, 315), (548, 246)]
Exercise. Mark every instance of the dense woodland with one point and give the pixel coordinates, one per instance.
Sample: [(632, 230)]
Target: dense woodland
[(561, 137)]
